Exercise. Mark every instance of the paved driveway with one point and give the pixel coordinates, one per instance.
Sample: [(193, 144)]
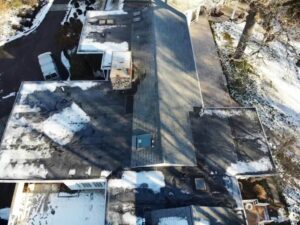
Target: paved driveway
[(18, 59)]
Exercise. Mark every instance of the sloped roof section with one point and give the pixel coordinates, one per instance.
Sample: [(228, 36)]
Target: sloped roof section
[(175, 74)]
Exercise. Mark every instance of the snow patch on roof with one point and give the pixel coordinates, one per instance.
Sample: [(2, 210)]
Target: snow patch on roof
[(173, 220), (262, 165), (20, 170), (130, 219), (124, 218), (105, 13), (29, 88), (131, 180), (61, 127)]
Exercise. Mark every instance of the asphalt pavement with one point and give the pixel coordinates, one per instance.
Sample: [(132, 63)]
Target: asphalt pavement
[(18, 59)]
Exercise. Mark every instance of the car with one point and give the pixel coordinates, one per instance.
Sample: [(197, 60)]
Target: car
[(48, 66)]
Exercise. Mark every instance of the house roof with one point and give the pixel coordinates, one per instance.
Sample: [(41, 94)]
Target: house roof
[(166, 91), (231, 141), (65, 130), (196, 215)]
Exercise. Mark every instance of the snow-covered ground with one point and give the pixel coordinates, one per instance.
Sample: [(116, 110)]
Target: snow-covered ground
[(275, 90), (82, 7), (9, 18)]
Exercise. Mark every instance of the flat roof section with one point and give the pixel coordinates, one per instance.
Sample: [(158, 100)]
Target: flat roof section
[(49, 206), (66, 130), (194, 215), (231, 141), (105, 32), (178, 84)]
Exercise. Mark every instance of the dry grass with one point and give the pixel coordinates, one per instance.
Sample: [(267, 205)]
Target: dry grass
[(260, 192), (9, 4)]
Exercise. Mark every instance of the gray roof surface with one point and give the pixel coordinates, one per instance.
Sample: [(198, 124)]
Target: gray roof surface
[(231, 141), (60, 130), (196, 214), (175, 89), (105, 32)]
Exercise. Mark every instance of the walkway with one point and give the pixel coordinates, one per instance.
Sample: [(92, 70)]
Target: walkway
[(212, 79)]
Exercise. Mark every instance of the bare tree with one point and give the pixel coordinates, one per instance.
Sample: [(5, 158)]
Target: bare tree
[(267, 11), (250, 22)]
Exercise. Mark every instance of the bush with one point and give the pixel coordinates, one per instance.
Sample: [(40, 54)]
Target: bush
[(69, 34), (79, 68)]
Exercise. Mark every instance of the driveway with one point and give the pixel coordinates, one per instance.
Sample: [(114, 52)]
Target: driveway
[(18, 59)]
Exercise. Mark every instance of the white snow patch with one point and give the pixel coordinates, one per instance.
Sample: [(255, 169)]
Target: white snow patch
[(29, 88), (105, 13), (19, 170), (174, 220), (131, 180), (25, 109), (127, 218), (65, 61), (262, 165), (130, 219), (4, 213), (12, 94), (10, 35), (72, 172), (105, 173), (61, 127)]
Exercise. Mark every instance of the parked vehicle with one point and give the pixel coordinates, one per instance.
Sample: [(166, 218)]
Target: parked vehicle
[(48, 66)]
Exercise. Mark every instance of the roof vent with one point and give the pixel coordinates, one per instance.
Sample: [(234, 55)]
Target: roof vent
[(143, 141), (200, 184)]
